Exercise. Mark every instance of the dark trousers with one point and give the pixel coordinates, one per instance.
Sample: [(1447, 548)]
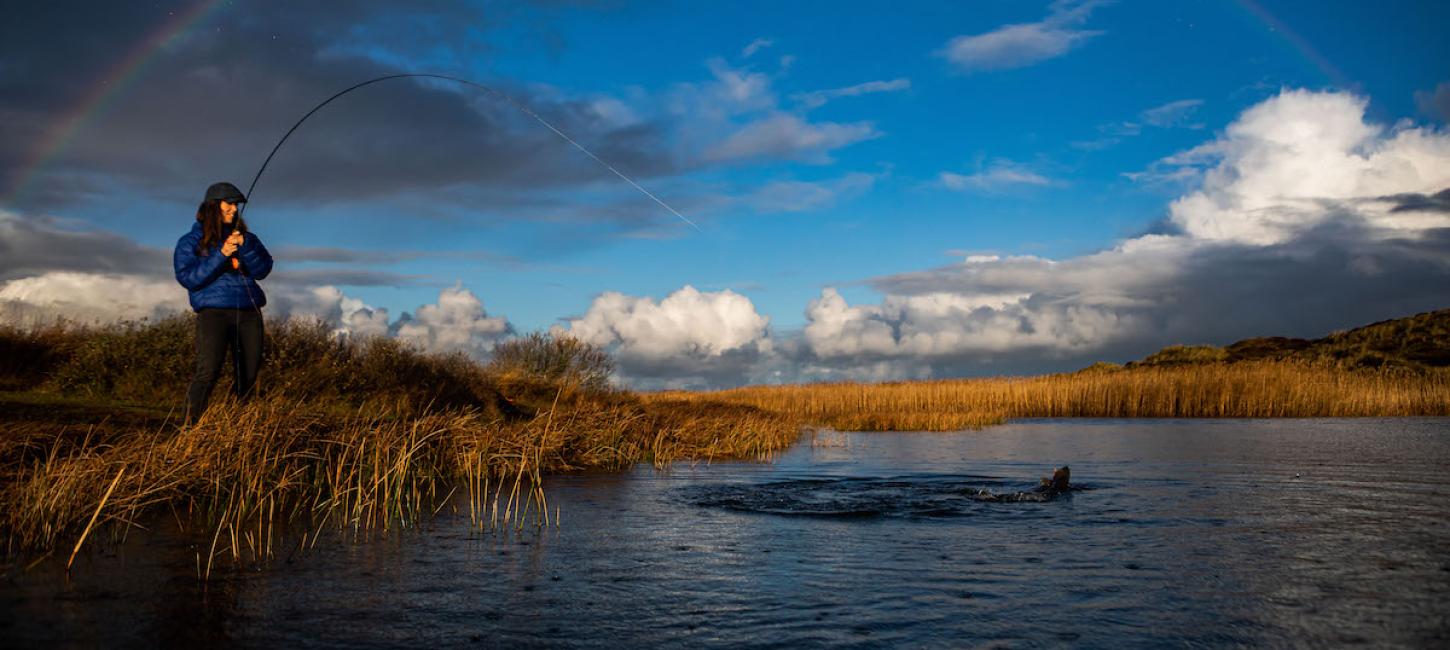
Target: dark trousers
[(219, 330)]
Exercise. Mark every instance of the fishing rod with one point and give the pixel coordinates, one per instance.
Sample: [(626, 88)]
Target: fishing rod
[(241, 209), (466, 82)]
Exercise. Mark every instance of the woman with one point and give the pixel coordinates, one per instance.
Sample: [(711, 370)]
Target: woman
[(220, 262)]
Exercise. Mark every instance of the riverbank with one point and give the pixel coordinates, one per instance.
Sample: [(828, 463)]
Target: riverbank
[(367, 435), (361, 435)]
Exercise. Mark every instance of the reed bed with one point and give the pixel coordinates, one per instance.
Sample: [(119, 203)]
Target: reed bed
[(1263, 389), (361, 437), (273, 469)]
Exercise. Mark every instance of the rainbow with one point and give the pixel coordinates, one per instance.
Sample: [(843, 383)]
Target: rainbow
[(1298, 43), (104, 92)]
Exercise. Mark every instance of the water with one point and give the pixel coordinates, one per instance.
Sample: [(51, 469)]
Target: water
[(1264, 532)]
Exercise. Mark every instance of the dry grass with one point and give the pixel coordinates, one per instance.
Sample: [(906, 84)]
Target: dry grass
[(275, 465), (1212, 390), (369, 436), (361, 437)]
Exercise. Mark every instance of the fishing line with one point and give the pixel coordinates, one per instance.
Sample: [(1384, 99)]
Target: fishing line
[(242, 208), (494, 91)]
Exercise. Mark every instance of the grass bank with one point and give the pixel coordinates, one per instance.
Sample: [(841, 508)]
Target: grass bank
[(354, 435)]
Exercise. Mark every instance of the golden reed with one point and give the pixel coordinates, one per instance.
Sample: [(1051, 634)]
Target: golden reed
[(277, 469), (1240, 390)]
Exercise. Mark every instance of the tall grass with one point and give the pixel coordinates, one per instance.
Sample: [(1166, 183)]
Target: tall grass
[(353, 436), (1209, 390), (364, 436)]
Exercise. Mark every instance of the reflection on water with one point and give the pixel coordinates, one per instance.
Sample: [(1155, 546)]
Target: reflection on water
[(1316, 532)]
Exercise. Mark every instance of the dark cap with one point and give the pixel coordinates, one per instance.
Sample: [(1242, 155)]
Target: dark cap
[(225, 192)]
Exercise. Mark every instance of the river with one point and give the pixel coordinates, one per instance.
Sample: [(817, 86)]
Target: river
[(1184, 532)]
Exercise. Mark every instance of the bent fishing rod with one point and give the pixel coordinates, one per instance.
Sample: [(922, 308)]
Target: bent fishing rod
[(241, 209), (489, 89)]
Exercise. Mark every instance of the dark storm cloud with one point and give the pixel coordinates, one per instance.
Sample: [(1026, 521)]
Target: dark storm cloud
[(1435, 102), (351, 278), (34, 246), (1437, 202), (211, 104), (343, 255), (730, 368), (1333, 277)]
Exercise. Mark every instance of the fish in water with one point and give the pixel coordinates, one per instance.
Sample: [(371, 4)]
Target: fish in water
[(1050, 488)]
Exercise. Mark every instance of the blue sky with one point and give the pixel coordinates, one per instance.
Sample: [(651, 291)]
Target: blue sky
[(817, 145)]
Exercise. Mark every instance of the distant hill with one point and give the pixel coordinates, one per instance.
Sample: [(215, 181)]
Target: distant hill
[(1420, 342)]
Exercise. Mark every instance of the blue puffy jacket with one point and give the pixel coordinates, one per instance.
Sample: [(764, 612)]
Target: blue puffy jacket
[(212, 281)]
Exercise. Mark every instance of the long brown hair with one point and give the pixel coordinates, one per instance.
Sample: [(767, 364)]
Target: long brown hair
[(213, 229)]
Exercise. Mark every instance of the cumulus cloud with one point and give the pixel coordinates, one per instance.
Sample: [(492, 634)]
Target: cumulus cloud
[(346, 315), (456, 323), (1024, 44), (1305, 218), (1298, 160), (88, 276), (100, 298), (690, 335), (89, 297)]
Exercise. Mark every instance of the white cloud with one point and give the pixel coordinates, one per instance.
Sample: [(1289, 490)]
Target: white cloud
[(756, 46), (820, 97), (689, 327), (736, 117), (1282, 162), (1020, 45), (100, 298), (1000, 175), (345, 314), (739, 90), (1305, 219), (802, 196), (954, 324), (1172, 113), (786, 136), (456, 323), (89, 297)]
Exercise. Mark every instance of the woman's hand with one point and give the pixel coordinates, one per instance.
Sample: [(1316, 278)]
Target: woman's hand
[(230, 246)]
